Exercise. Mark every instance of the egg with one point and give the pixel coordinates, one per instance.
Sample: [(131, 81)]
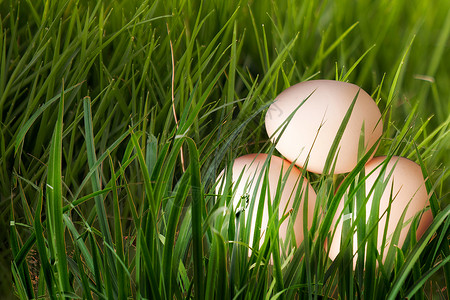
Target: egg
[(247, 177), (320, 107), (406, 186)]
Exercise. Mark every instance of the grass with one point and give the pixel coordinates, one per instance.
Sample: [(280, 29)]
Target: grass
[(117, 117)]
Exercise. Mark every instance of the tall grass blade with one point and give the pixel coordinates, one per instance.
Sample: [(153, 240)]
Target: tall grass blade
[(99, 205), (196, 207), (55, 202)]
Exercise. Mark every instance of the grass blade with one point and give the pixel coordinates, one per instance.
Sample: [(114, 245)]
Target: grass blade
[(55, 202), (196, 207), (168, 260), (95, 180), (334, 152)]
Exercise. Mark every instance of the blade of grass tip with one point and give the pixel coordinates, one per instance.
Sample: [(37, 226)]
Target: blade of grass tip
[(415, 253), (356, 63), (336, 76), (323, 55), (42, 250), (196, 207), (334, 147), (258, 42), (271, 77), (266, 48), (55, 201)]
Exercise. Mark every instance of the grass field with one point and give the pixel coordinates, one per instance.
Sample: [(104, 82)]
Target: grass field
[(116, 119)]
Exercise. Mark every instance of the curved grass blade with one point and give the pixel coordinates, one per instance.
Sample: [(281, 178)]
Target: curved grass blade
[(334, 152)]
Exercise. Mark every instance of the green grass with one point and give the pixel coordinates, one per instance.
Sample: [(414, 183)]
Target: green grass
[(116, 119)]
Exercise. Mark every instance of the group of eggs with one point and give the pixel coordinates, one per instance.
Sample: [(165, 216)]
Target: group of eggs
[(303, 122)]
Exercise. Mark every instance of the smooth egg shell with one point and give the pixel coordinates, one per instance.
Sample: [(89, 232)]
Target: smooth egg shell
[(407, 187), (313, 127), (245, 173)]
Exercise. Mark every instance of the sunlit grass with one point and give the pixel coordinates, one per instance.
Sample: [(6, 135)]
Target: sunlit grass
[(99, 102)]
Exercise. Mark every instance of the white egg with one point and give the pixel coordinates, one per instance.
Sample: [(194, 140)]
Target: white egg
[(314, 126), (405, 187), (247, 176)]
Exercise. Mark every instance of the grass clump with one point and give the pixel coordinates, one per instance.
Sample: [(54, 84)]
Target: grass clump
[(99, 103)]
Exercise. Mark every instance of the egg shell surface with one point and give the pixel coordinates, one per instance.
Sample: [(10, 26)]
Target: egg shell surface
[(320, 107), (247, 170), (407, 187)]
